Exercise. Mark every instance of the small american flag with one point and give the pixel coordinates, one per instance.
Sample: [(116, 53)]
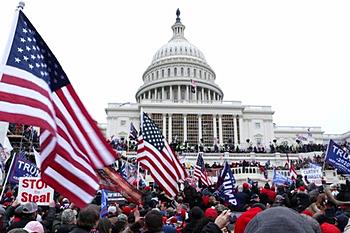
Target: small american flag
[(200, 172), (155, 155), (193, 86), (133, 134), (34, 90)]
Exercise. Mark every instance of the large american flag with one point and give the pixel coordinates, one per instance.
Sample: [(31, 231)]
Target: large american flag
[(155, 155), (200, 173), (34, 90)]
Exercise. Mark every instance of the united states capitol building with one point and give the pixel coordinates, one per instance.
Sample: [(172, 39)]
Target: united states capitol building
[(180, 94)]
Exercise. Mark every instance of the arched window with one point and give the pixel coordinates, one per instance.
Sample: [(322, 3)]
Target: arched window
[(188, 72), (182, 71), (194, 72), (175, 71), (205, 75), (168, 72), (157, 74), (200, 74), (162, 73), (152, 76)]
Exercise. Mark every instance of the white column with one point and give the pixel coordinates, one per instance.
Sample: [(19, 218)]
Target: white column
[(163, 93), (185, 127), (178, 92), (169, 129), (235, 133), (209, 97), (221, 141), (240, 129), (171, 92), (214, 128), (202, 94), (195, 93), (155, 93), (199, 127), (187, 93), (149, 94), (164, 125)]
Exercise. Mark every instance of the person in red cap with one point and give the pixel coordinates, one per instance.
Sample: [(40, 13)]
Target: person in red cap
[(245, 218), (211, 214), (126, 210), (329, 228)]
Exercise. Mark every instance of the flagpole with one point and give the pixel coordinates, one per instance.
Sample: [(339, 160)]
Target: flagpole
[(324, 160), (10, 38), (138, 175), (7, 176)]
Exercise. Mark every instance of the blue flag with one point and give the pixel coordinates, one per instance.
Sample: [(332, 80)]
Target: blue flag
[(338, 158), (279, 179), (104, 204), (22, 167), (226, 185)]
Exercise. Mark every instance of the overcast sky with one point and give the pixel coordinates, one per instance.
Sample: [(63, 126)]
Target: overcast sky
[(292, 55)]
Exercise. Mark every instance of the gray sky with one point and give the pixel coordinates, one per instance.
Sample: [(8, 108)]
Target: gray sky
[(292, 55)]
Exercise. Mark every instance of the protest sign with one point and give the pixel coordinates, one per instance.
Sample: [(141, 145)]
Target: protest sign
[(33, 189), (313, 175)]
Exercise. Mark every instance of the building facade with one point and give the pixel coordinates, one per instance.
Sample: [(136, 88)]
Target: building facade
[(180, 94)]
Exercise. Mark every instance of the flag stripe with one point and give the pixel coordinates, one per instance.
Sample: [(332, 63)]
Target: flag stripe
[(97, 137), (157, 176), (69, 143), (64, 115), (68, 103), (64, 186), (158, 166), (18, 94), (74, 175), (180, 171), (16, 114), (158, 157)]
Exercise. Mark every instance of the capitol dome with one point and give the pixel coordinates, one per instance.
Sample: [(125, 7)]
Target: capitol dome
[(179, 72), (178, 47)]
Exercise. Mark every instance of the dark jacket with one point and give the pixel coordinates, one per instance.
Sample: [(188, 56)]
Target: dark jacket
[(65, 228), (79, 230), (211, 228), (20, 224)]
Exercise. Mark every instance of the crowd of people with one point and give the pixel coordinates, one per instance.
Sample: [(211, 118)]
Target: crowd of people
[(123, 144), (299, 207)]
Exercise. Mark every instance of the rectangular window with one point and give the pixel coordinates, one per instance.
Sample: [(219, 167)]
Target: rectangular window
[(257, 125), (192, 129)]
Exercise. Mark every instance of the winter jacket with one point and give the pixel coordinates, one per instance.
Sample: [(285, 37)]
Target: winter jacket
[(211, 228)]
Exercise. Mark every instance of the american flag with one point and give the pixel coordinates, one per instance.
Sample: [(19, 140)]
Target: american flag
[(200, 173), (36, 91), (193, 86), (292, 172), (155, 155), (133, 134)]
